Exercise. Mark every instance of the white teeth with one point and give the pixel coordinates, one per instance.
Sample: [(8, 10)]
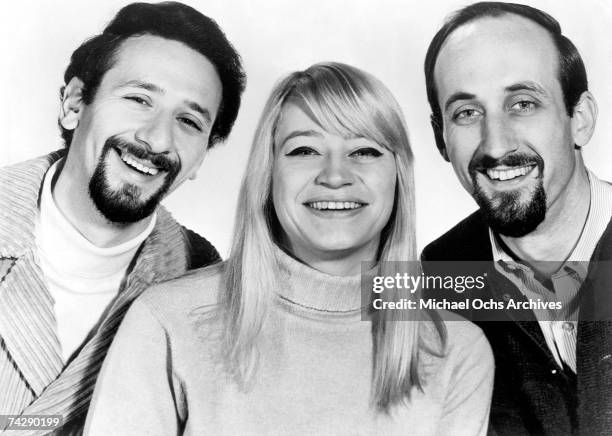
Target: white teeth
[(135, 164), (335, 205), (508, 174)]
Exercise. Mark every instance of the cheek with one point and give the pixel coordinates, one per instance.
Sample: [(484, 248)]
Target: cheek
[(192, 156), (281, 192), (559, 159), (381, 182), (461, 141), (460, 158), (289, 183)]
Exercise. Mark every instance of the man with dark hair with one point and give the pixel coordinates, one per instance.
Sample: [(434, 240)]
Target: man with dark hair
[(81, 230), (511, 112)]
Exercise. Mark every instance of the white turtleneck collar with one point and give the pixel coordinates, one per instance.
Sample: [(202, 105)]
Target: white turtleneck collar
[(81, 277), (69, 252)]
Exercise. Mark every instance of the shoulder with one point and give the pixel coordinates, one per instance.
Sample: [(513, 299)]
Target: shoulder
[(468, 240), (180, 319), (198, 251), (458, 332), (21, 183), (201, 252), (465, 337), (27, 174), (464, 342), (197, 291), (38, 164), (468, 352)]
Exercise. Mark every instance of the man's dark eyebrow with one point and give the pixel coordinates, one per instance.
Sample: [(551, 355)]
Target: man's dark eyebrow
[(144, 85), (197, 108), (456, 97), (527, 86), (296, 133), (154, 88)]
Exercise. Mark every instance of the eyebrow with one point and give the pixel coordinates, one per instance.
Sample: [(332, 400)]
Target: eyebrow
[(143, 85), (519, 86), (197, 108), (157, 89), (296, 133), (527, 86), (456, 97)]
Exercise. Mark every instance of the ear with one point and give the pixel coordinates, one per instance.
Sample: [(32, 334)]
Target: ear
[(584, 119), (72, 103)]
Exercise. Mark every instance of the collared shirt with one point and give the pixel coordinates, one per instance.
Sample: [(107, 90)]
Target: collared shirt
[(559, 327)]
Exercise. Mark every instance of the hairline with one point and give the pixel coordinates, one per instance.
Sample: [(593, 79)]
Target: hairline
[(114, 56), (495, 14)]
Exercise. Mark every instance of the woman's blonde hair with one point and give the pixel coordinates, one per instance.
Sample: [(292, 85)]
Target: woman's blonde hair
[(346, 101)]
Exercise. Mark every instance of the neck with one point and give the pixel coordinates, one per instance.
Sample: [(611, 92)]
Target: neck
[(552, 242), (71, 195)]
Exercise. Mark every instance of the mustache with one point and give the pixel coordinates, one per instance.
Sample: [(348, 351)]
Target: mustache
[(160, 160), (483, 162)]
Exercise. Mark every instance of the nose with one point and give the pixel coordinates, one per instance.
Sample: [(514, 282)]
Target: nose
[(156, 133), (336, 173), (497, 137)]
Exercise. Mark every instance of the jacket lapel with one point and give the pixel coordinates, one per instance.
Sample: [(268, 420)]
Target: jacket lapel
[(161, 258), (504, 290), (27, 322), (500, 287)]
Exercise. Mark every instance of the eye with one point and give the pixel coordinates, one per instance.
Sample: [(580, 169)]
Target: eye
[(302, 151), (466, 116), (524, 107), (190, 123), (138, 99), (365, 152)]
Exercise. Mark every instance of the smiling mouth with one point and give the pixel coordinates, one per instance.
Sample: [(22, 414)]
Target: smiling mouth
[(335, 205), (506, 173), (136, 164)]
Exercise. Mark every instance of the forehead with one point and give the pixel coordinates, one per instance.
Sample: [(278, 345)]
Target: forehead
[(496, 52), (293, 118), (169, 64)]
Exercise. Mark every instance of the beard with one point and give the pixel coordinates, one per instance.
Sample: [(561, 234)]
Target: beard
[(124, 205), (505, 212)]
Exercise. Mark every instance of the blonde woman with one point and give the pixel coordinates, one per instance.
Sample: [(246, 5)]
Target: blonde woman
[(273, 340)]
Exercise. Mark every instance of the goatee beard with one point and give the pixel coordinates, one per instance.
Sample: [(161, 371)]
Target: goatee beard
[(505, 213), (123, 206)]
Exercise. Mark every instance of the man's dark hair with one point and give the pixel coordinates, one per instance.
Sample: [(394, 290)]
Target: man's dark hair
[(170, 20), (572, 74)]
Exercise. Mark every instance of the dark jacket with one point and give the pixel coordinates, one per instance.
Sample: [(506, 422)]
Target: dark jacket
[(532, 395)]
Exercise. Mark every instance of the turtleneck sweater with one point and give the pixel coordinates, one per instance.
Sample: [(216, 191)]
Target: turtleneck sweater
[(164, 374), (81, 277)]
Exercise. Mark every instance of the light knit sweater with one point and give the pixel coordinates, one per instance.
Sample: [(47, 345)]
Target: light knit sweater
[(163, 374)]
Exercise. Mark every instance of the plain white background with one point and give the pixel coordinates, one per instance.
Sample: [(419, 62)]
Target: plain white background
[(387, 38)]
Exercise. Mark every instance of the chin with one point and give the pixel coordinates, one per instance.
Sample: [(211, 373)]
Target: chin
[(513, 215), (341, 247)]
